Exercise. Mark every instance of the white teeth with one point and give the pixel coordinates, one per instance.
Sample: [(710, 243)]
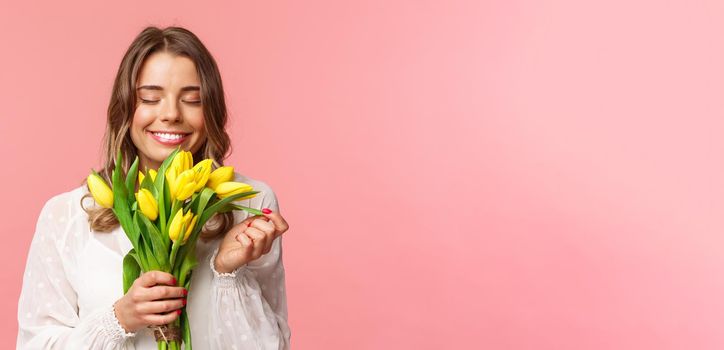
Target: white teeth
[(168, 136)]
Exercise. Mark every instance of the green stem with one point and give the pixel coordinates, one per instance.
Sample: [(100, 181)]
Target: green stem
[(177, 323), (174, 251)]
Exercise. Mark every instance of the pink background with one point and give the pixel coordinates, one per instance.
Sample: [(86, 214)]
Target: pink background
[(501, 175)]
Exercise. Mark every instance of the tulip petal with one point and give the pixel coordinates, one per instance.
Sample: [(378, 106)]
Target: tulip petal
[(102, 194)]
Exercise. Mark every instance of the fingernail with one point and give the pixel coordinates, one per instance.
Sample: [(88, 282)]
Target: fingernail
[(186, 292), (184, 301), (173, 281), (266, 211), (178, 311)]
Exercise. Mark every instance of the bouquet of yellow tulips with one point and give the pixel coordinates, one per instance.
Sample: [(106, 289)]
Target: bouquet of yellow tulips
[(163, 217)]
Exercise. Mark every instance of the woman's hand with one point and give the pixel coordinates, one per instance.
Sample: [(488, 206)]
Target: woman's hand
[(249, 240), (152, 300)]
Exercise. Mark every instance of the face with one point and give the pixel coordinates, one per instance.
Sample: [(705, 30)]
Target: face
[(168, 109)]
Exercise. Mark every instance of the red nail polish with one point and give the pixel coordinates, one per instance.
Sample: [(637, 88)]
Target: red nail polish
[(186, 292), (266, 211), (184, 301), (178, 311), (173, 281)]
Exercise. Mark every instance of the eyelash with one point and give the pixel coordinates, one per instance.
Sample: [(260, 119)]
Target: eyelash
[(151, 102)]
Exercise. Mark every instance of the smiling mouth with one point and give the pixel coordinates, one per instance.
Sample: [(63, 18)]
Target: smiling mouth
[(168, 138)]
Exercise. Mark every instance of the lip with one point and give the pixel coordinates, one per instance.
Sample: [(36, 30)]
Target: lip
[(168, 142)]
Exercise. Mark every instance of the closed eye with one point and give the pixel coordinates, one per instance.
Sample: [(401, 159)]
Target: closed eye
[(151, 102)]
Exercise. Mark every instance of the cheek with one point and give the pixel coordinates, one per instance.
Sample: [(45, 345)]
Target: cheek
[(141, 119), (197, 122)]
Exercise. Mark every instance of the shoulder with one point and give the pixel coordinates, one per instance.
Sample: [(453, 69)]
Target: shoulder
[(61, 214), (65, 204)]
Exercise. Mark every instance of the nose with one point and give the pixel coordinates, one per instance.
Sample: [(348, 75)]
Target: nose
[(170, 111)]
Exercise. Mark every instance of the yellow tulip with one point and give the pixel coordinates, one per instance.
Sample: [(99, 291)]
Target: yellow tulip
[(147, 203), (182, 161), (190, 227), (151, 172), (181, 164), (100, 191), (171, 180), (188, 160), (230, 188), (202, 170), (174, 228), (181, 186), (219, 176), (181, 223), (185, 185)]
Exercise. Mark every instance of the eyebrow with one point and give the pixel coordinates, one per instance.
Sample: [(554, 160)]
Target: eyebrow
[(156, 87)]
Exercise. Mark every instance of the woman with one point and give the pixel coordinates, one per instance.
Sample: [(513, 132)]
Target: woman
[(167, 93)]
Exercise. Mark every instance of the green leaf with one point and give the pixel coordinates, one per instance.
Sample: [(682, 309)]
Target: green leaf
[(131, 270), (167, 197), (153, 264), (186, 329), (188, 262), (162, 192), (147, 183), (160, 248), (208, 212), (204, 197), (141, 253), (205, 216), (232, 206), (150, 249), (131, 180), (194, 201), (120, 201), (160, 202)]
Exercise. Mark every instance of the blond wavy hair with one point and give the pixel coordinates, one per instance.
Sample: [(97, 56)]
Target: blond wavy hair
[(180, 42)]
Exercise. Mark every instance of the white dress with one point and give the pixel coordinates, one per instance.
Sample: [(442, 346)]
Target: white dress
[(73, 276)]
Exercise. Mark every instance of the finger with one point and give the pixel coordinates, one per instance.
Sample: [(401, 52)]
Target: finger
[(162, 319), (265, 226), (246, 223), (245, 241), (255, 234), (250, 219), (163, 292), (270, 233), (152, 278), (247, 247), (259, 239), (163, 306), (280, 224)]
